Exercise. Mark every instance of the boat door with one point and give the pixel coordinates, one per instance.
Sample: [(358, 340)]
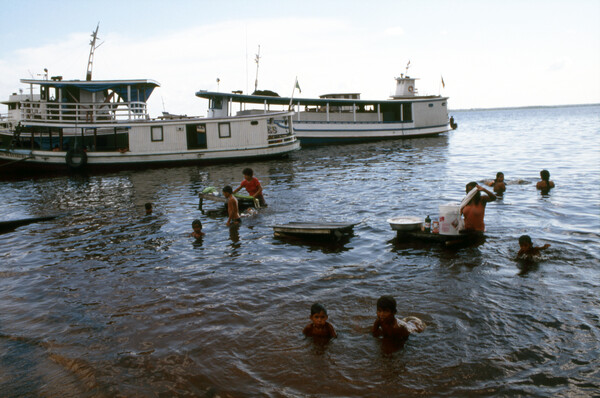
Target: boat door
[(196, 136)]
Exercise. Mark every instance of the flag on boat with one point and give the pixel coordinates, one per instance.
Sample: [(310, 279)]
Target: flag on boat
[(298, 86), (443, 84)]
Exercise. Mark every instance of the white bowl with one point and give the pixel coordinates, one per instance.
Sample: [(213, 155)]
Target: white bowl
[(405, 223)]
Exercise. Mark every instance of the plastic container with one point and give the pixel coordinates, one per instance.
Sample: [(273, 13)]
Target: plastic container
[(449, 215), (435, 227)]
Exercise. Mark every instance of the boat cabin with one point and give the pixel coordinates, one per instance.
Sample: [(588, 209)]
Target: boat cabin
[(54, 113)]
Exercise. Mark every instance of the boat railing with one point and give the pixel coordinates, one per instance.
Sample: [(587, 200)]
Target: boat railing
[(83, 112), (277, 134)]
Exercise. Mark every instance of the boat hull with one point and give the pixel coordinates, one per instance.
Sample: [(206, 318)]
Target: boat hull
[(24, 161), (311, 134)]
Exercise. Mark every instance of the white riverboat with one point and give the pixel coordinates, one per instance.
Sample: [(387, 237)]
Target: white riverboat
[(59, 125), (345, 118)]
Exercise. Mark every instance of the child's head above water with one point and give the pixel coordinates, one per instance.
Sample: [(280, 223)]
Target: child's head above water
[(525, 239), (317, 308), (386, 303), (545, 175), (248, 172), (197, 224)]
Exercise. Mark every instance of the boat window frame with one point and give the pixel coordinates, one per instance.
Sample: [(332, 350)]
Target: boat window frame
[(158, 130), (222, 132)]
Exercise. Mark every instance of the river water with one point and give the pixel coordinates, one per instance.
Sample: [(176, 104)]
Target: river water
[(105, 301)]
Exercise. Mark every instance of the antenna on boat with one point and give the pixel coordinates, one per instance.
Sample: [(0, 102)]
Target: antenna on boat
[(93, 47), (406, 71), (257, 59)]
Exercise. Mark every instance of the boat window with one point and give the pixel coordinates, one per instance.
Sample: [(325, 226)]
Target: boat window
[(443, 104), (224, 130), (407, 112), (431, 105), (216, 103), (157, 133), (254, 122)]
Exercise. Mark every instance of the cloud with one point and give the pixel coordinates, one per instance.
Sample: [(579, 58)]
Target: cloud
[(394, 31), (559, 65)]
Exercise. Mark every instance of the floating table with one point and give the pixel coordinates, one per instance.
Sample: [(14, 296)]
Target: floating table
[(314, 230)]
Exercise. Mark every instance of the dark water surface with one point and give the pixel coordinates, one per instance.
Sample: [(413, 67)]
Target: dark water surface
[(106, 301)]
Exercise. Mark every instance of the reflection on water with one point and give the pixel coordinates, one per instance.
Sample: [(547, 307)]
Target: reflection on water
[(107, 301)]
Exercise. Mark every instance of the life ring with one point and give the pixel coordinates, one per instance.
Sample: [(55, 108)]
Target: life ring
[(410, 89), (76, 159)]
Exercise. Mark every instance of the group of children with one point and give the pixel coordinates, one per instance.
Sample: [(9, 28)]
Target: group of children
[(252, 185), (527, 251), (386, 325)]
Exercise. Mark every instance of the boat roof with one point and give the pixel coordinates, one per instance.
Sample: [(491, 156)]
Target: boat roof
[(261, 99), (145, 86), (93, 84)]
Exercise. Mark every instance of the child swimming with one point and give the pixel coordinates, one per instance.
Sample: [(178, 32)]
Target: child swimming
[(197, 227), (498, 184), (319, 327), (386, 325), (527, 250)]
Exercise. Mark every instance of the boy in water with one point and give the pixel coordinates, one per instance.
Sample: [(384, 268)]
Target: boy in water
[(388, 326), (252, 185), (232, 207), (148, 207), (528, 251), (319, 327), (197, 227)]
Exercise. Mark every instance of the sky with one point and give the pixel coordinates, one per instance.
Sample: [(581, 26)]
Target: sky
[(489, 53)]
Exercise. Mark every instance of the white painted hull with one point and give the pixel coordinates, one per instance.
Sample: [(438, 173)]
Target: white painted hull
[(314, 133)]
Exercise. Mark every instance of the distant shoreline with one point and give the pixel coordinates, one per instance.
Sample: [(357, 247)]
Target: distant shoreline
[(521, 107)]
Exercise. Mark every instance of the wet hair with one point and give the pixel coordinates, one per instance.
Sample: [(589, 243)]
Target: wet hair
[(248, 172), (317, 308), (545, 175), (387, 303), (228, 189), (197, 223), (477, 196), (525, 239), (148, 206)]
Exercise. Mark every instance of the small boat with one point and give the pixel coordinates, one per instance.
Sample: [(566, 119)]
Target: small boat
[(344, 117), (72, 125), (212, 194), (314, 230)]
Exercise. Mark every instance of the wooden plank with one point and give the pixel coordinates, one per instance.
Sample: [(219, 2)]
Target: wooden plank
[(7, 226)]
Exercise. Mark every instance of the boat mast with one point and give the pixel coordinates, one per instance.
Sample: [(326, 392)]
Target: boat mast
[(93, 47), (257, 59)]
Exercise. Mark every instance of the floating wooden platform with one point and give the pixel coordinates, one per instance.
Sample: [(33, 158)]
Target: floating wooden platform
[(7, 226), (313, 230), (447, 240)]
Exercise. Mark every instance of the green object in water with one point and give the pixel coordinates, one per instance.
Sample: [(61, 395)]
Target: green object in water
[(209, 190)]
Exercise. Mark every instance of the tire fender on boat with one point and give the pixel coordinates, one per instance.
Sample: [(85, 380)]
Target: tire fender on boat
[(79, 161), (410, 89)]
